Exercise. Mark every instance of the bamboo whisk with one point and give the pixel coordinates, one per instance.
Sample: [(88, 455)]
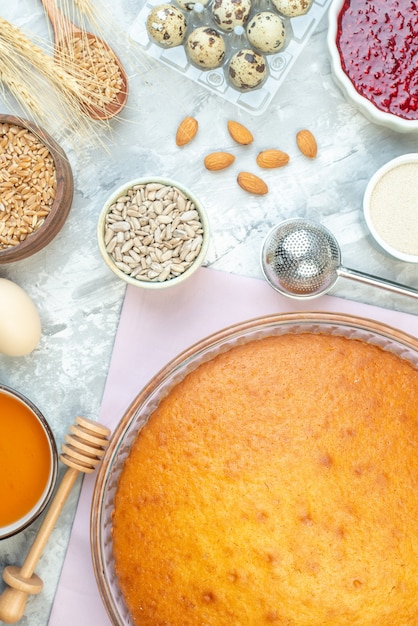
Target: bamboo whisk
[(83, 449)]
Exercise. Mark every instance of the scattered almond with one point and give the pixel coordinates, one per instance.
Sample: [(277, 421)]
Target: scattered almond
[(307, 143), (218, 161), (186, 131), (239, 133), (268, 159), (252, 183)]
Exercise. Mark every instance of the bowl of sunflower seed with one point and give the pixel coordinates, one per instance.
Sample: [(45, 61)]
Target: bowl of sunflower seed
[(153, 233)]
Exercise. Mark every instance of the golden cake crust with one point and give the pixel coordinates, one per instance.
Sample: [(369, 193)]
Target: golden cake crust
[(276, 484)]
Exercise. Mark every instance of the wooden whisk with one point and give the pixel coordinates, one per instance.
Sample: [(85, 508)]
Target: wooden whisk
[(83, 449)]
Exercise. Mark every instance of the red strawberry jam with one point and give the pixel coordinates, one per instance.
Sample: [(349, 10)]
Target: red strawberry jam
[(378, 45)]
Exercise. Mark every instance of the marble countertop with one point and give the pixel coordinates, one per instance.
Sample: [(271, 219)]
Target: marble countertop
[(79, 299)]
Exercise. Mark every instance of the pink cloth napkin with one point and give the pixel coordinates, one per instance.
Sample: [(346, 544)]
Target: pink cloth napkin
[(154, 327)]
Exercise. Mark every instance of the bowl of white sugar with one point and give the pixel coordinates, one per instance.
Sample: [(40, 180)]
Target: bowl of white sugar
[(153, 233), (390, 206)]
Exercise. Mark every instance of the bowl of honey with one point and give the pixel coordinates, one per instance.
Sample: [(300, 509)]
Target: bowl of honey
[(28, 462)]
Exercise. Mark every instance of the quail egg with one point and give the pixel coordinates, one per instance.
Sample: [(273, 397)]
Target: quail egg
[(206, 47), (189, 5), (292, 8), (247, 69), (266, 32), (166, 25), (230, 13)]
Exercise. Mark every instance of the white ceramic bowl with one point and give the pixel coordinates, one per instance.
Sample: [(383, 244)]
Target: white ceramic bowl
[(29, 462), (155, 282), (395, 227), (373, 114)]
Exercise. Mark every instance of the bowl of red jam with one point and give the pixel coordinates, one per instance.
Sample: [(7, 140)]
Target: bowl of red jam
[(374, 58)]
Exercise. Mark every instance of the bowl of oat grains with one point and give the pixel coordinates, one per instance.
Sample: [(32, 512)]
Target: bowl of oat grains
[(36, 188), (153, 233)]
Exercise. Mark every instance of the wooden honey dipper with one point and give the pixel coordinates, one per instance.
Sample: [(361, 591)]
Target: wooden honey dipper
[(83, 449)]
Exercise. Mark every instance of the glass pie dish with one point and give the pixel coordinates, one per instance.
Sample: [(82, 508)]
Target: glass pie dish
[(351, 327)]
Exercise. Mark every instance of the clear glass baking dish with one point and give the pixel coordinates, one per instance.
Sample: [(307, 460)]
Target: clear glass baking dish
[(396, 341)]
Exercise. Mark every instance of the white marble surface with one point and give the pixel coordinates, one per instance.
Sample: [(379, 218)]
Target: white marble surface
[(79, 300)]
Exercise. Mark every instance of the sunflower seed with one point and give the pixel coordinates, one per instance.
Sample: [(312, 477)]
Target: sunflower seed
[(153, 232)]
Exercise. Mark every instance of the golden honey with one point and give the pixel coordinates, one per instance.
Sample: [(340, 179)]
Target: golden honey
[(25, 460)]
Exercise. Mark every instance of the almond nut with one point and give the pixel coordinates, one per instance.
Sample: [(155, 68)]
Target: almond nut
[(272, 158), (307, 143), (218, 160), (240, 133), (186, 131), (252, 183)]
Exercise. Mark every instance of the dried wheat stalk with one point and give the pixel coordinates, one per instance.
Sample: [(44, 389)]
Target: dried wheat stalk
[(41, 86), (94, 16), (94, 66), (71, 89)]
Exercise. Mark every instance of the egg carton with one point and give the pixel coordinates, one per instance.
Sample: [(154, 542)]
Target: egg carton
[(256, 101)]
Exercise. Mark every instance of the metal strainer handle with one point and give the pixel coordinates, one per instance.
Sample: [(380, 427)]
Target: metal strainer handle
[(374, 281)]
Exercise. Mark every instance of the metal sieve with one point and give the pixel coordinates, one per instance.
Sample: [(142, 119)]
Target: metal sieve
[(302, 259)]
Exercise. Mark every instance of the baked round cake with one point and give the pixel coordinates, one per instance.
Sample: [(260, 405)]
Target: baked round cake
[(276, 484)]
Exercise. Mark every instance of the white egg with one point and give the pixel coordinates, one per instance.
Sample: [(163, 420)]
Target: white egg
[(292, 8), (231, 13), (20, 326), (166, 25), (266, 31), (247, 69), (206, 47)]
